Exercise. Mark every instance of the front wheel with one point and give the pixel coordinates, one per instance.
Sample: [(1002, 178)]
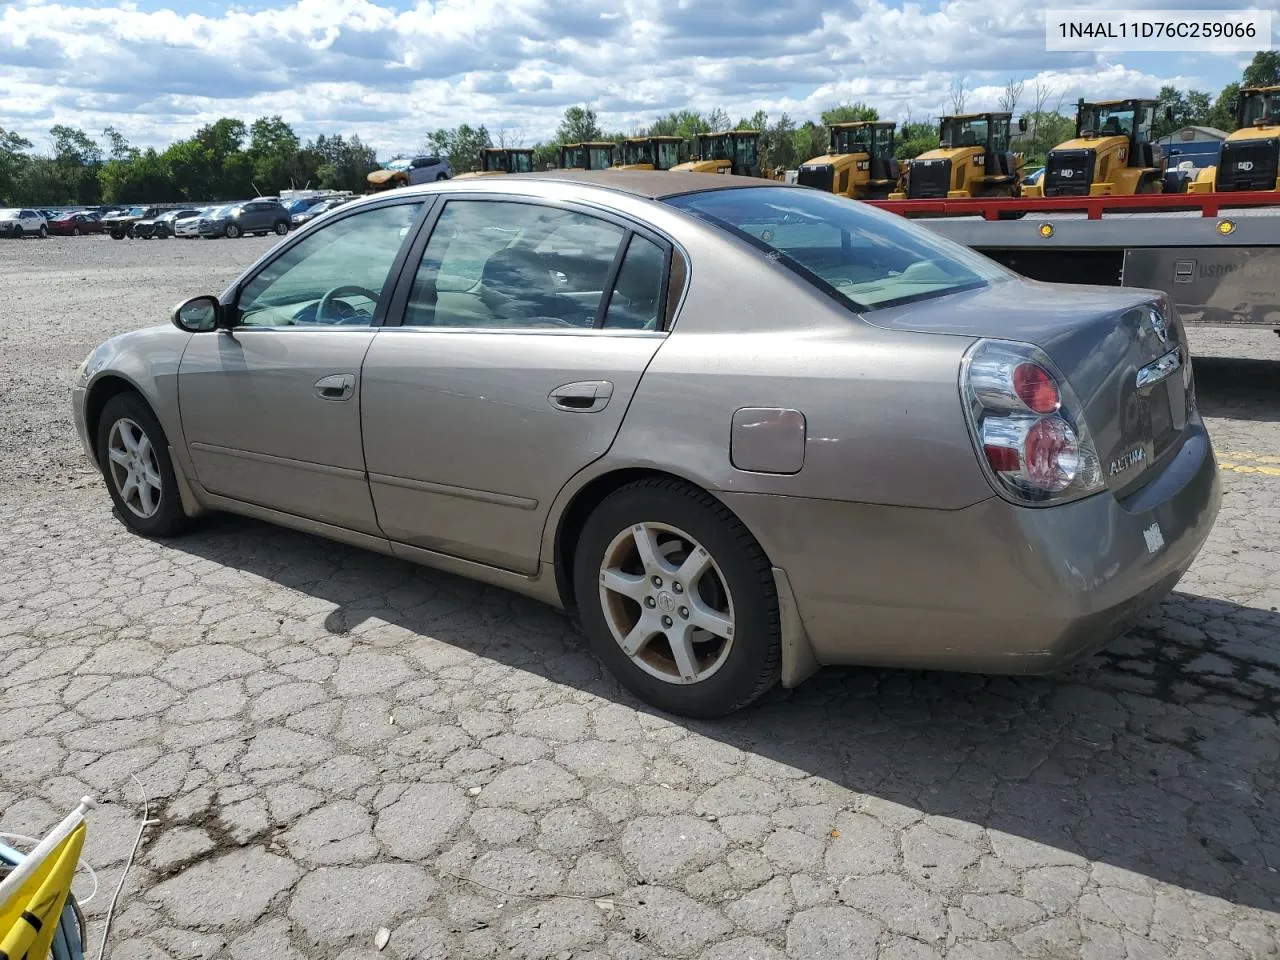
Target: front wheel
[(75, 231), (44, 232), (232, 231), (133, 454), (677, 599), (281, 228)]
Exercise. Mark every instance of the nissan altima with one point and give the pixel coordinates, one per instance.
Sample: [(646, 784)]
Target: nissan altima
[(739, 429)]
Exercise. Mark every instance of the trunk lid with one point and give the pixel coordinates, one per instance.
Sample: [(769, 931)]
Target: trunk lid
[(1101, 339)]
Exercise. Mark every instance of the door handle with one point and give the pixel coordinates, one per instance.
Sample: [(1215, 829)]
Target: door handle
[(339, 386), (585, 396)]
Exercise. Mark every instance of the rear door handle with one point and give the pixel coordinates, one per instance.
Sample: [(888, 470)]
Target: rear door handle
[(585, 396), (339, 386)]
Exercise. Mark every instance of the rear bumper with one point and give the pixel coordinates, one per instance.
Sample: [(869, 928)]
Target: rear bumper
[(992, 588)]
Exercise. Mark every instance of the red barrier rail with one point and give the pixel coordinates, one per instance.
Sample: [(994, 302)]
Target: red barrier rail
[(1005, 208)]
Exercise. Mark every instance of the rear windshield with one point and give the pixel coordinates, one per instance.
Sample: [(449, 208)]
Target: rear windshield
[(866, 257)]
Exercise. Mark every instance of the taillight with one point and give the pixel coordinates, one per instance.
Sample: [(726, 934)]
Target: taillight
[(1027, 425)]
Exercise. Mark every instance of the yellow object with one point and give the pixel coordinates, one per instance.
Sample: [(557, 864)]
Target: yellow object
[(1226, 227), (31, 905), (1046, 230), (1248, 159), (859, 162), (973, 161), (1110, 155), (731, 152)]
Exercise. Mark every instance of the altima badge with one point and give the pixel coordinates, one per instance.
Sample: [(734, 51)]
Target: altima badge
[(1122, 463)]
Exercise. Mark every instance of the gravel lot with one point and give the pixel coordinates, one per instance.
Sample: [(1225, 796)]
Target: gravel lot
[(333, 741)]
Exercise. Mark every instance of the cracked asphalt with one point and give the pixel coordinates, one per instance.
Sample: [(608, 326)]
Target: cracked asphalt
[(335, 742)]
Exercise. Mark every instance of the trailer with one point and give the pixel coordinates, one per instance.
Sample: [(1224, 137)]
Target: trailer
[(1216, 255)]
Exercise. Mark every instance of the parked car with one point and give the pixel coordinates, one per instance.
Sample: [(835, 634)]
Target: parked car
[(310, 213), (741, 429), (119, 223), (21, 222), (75, 224), (49, 214), (258, 217), (163, 225), (409, 171), (188, 228)]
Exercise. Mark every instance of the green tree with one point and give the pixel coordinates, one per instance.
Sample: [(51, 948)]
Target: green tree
[(1199, 107), (1045, 130), (849, 113), (274, 151), (462, 145), (1223, 113), (578, 125), (545, 156), (143, 178), (119, 147), (685, 123), (718, 120), (1169, 99), (1263, 70), (915, 139), (810, 140), (77, 159), (13, 159)]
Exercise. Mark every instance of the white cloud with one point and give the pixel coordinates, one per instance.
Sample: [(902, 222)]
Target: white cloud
[(390, 74)]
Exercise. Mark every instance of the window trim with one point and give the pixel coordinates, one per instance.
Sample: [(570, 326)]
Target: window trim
[(429, 203), (398, 306)]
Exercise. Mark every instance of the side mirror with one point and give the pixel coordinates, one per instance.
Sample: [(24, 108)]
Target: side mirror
[(1022, 124), (198, 315)]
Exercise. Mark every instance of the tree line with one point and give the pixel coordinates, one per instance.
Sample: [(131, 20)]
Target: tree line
[(225, 160), (228, 159)]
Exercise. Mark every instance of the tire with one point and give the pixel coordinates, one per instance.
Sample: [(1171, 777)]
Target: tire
[(441, 176), (741, 583), (17, 233), (166, 518), (232, 231), (44, 232), (117, 235), (75, 231), (281, 228)]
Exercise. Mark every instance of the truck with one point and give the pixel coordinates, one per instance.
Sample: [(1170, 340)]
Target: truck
[(1217, 255)]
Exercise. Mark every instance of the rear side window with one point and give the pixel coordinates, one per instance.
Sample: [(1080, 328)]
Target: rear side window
[(637, 299), (863, 256)]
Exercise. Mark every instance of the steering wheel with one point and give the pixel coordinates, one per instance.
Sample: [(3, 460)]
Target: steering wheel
[(325, 309)]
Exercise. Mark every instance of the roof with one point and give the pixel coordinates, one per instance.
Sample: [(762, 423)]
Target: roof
[(1213, 132), (653, 184), (975, 116), (1116, 103), (863, 123)]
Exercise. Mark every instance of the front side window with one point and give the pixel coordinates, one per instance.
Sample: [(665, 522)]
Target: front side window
[(866, 257), (497, 264), (333, 276)]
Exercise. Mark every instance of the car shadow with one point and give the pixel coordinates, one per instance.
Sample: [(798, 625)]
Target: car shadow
[(1158, 757), (1238, 389)]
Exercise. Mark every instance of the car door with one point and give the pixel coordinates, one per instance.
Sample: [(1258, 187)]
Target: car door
[(271, 406), (525, 331)]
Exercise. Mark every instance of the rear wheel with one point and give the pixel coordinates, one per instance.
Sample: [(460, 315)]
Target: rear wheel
[(44, 231), (442, 176), (133, 454), (75, 231), (677, 598), (17, 232), (281, 228)]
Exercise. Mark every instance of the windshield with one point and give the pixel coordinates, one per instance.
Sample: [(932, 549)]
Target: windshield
[(954, 132), (850, 140), (865, 257), (1116, 120), (715, 148), (637, 153), (1259, 106), (668, 154), (521, 162), (493, 162), (601, 157), (573, 158), (745, 152), (399, 164)]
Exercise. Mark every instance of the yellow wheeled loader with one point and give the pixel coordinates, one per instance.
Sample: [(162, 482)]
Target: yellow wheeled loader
[(859, 162), (498, 160), (650, 153), (733, 151), (973, 160), (592, 155), (1110, 155), (1250, 157)]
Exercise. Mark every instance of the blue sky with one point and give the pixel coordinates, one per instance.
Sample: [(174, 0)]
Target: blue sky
[(390, 70)]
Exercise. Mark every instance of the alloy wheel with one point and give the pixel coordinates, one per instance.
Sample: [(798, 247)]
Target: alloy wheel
[(666, 603), (134, 470)]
